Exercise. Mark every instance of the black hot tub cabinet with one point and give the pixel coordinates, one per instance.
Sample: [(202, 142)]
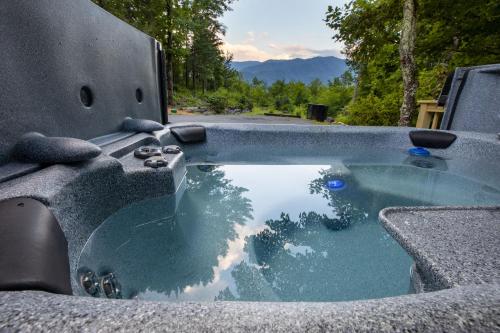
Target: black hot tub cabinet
[(60, 185)]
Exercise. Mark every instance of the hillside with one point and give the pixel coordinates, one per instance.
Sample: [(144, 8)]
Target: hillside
[(305, 70), (241, 65)]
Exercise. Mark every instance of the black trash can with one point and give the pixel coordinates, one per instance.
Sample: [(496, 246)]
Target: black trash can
[(317, 112)]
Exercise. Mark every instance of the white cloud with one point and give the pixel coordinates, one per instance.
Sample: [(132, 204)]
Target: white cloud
[(299, 51), (248, 50), (250, 37), (243, 52)]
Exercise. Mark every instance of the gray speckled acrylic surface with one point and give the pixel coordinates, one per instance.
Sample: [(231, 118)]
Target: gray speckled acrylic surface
[(473, 100), (465, 309), (67, 46), (451, 246), (82, 195)]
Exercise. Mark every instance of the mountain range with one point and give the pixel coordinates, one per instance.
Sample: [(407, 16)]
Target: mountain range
[(305, 70)]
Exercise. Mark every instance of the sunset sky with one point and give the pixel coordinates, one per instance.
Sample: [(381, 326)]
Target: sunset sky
[(279, 29)]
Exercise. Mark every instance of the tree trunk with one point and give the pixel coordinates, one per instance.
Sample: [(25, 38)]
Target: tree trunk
[(193, 76), (357, 82), (170, 57), (186, 73), (356, 90), (407, 59)]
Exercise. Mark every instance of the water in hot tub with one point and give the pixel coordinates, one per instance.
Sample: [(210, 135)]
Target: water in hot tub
[(271, 233)]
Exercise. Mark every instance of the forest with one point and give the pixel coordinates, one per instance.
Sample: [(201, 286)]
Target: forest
[(398, 51)]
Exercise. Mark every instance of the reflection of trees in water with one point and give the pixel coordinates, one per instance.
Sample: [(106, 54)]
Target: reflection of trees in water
[(355, 203), (300, 260), (162, 252), (349, 205), (205, 223), (276, 272)]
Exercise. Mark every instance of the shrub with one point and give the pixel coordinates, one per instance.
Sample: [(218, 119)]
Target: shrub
[(217, 103), (374, 111), (185, 98), (245, 103), (336, 97), (282, 103)]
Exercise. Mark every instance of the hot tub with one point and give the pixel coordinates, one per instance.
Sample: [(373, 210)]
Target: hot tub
[(242, 227), (284, 214), (265, 223)]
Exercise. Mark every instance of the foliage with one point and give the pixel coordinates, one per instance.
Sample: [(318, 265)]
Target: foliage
[(197, 60), (224, 99), (450, 33), (374, 111), (284, 97), (217, 103), (336, 96)]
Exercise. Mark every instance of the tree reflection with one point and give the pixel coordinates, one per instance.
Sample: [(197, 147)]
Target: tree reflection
[(290, 261), (151, 247), (339, 254), (316, 257), (349, 204)]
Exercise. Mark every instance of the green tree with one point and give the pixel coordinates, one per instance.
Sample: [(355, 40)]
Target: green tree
[(299, 93), (279, 93), (190, 32), (451, 33), (315, 87), (337, 95)]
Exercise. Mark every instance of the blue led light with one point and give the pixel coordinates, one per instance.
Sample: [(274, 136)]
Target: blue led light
[(335, 184), (419, 151)]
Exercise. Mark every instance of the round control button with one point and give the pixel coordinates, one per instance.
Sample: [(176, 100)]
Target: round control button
[(172, 149), (156, 162), (146, 152)]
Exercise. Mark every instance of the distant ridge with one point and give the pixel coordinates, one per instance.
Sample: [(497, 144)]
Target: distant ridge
[(305, 70), (240, 65)]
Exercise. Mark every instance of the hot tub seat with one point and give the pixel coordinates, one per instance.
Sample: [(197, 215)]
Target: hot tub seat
[(451, 246)]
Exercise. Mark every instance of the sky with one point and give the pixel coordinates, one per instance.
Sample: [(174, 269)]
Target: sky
[(279, 29)]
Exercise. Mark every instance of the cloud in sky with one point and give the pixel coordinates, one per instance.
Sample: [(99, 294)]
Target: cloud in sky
[(246, 51), (299, 51), (280, 29), (256, 47)]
